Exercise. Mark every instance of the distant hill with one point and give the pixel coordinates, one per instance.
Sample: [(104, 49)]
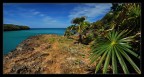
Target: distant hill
[(12, 27)]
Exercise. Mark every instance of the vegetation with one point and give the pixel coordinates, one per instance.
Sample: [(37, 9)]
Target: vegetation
[(112, 48), (115, 38), (11, 27), (80, 26)]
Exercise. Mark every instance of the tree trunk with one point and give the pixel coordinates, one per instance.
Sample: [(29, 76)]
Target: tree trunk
[(80, 38)]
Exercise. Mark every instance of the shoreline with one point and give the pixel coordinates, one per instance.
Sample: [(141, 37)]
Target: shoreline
[(30, 37), (47, 54)]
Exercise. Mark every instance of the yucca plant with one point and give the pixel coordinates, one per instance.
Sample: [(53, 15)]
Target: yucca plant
[(114, 48), (134, 10)]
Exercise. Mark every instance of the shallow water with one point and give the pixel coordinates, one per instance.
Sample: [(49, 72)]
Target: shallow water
[(11, 39)]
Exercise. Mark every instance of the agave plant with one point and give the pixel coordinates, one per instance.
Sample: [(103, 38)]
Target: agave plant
[(114, 48)]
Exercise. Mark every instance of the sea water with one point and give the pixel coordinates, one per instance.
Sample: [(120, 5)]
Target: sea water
[(11, 39)]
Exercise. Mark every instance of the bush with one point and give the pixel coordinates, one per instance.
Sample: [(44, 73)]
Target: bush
[(112, 48)]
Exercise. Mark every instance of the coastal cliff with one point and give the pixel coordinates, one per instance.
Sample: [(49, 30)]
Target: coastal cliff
[(48, 54)]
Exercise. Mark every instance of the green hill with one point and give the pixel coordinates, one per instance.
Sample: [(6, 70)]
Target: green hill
[(12, 27)]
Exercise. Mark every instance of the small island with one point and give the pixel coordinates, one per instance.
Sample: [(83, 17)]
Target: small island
[(12, 27)]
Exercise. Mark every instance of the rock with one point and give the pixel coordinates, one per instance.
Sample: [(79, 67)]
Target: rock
[(48, 46), (50, 62), (20, 69), (19, 48), (31, 49), (23, 70), (45, 55), (81, 62), (90, 69), (38, 71), (76, 42)]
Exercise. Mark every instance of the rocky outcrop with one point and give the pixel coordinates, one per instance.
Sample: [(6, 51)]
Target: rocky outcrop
[(48, 54)]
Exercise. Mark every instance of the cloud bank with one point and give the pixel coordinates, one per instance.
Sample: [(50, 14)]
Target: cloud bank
[(90, 10)]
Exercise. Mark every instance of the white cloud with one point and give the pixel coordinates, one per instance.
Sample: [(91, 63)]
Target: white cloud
[(35, 13), (26, 12), (48, 20), (91, 10), (33, 18), (53, 22)]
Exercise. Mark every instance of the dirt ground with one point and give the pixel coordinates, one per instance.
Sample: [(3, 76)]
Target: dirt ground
[(49, 54)]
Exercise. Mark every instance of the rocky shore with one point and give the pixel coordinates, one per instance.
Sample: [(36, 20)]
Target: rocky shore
[(48, 54)]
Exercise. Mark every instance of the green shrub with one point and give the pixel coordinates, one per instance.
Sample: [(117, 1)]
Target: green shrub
[(112, 48), (88, 39)]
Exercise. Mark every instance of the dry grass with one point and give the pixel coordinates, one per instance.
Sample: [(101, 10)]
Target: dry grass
[(52, 55)]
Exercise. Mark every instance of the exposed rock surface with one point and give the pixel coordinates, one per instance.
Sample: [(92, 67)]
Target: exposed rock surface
[(48, 54)]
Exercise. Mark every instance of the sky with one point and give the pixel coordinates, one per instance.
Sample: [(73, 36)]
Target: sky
[(52, 15)]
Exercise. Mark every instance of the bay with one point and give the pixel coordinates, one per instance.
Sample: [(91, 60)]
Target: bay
[(11, 39)]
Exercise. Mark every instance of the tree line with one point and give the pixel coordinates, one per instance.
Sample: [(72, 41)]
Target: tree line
[(12, 27)]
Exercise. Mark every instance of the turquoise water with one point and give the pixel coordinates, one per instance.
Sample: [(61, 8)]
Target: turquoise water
[(11, 39)]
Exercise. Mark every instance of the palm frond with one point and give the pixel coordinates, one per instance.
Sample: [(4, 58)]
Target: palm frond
[(117, 45)]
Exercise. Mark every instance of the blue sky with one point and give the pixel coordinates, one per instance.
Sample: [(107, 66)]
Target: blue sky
[(51, 15)]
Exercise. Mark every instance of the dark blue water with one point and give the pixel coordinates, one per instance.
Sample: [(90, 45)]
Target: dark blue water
[(11, 39)]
